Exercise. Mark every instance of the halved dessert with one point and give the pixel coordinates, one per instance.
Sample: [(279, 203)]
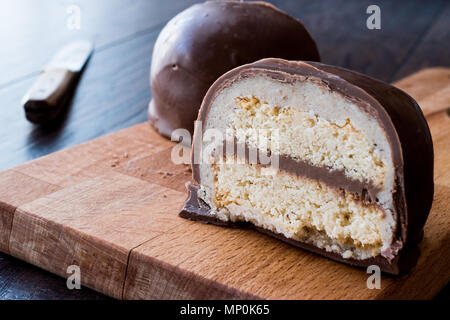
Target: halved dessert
[(321, 157)]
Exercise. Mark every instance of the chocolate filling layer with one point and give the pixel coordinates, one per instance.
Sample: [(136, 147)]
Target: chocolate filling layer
[(337, 179)]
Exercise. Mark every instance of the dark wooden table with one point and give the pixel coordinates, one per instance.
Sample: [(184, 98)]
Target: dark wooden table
[(114, 91)]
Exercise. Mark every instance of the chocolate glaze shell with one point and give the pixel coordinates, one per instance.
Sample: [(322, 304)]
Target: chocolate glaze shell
[(399, 116), (207, 40)]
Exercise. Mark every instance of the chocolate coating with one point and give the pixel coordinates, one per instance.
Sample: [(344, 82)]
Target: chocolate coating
[(207, 40), (405, 127)]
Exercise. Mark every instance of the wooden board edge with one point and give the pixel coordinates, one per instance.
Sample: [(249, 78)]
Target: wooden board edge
[(33, 189), (68, 247), (6, 220), (144, 272)]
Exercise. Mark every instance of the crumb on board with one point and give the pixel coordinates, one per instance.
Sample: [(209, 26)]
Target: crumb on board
[(116, 159), (115, 163), (165, 174)]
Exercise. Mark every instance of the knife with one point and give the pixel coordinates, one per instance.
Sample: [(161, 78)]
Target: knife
[(56, 84)]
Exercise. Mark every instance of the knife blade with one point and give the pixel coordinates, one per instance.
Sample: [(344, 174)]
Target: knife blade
[(54, 87)]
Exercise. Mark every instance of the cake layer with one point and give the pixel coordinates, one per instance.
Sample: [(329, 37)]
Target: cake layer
[(297, 208), (306, 136), (304, 120), (327, 139)]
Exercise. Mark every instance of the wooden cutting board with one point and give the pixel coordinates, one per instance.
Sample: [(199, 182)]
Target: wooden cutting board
[(110, 207)]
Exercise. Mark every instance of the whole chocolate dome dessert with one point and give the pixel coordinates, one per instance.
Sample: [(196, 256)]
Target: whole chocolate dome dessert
[(208, 39)]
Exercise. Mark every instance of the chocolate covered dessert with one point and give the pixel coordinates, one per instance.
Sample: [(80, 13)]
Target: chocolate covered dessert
[(208, 39), (318, 156)]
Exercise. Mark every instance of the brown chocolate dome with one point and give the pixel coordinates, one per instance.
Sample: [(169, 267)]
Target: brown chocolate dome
[(208, 39)]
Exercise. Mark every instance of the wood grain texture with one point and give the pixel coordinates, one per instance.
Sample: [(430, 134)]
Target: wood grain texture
[(85, 227), (68, 169), (93, 225), (17, 189), (110, 206), (431, 88)]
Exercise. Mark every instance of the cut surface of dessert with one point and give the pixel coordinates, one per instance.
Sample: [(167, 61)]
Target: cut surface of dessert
[(315, 155)]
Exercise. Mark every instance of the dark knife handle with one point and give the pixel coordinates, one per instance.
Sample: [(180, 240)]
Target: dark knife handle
[(48, 95)]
